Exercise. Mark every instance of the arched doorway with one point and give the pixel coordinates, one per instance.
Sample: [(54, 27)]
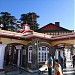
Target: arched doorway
[(15, 54), (65, 50)]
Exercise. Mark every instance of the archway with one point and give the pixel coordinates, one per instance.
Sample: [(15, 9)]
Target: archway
[(15, 54), (65, 50)]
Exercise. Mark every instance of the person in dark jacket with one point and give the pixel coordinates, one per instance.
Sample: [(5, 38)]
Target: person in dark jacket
[(73, 58)]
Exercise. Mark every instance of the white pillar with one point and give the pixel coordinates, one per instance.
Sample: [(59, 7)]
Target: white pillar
[(2, 50), (19, 47), (61, 53), (18, 62), (56, 54), (74, 49)]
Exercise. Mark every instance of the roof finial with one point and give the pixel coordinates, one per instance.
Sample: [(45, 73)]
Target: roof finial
[(27, 29)]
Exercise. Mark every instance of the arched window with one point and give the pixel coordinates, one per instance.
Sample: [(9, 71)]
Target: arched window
[(42, 53)]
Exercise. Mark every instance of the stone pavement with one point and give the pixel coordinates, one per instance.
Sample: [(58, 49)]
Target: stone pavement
[(12, 70), (69, 69)]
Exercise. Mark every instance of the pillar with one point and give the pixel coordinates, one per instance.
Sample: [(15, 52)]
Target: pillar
[(18, 61), (73, 50), (19, 47), (10, 56), (34, 58), (56, 54), (2, 51)]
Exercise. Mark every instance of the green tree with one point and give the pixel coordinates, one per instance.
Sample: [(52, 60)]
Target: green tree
[(7, 20), (31, 19)]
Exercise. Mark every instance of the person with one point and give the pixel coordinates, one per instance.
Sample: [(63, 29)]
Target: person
[(73, 58), (60, 59), (57, 68), (64, 61), (50, 64)]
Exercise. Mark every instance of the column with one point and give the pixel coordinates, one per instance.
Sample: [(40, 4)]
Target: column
[(56, 54), (18, 61), (19, 47), (73, 50), (34, 58), (2, 51), (10, 56)]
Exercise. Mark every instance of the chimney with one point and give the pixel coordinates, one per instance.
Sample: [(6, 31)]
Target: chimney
[(57, 23)]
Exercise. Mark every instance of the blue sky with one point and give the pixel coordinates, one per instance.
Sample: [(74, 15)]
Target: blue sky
[(50, 11)]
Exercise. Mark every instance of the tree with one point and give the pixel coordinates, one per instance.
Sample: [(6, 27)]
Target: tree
[(7, 20), (31, 19)]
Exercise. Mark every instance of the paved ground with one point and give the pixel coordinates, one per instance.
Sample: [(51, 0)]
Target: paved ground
[(12, 70), (69, 70)]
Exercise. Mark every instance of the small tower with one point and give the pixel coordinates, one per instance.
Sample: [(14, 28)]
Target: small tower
[(26, 29)]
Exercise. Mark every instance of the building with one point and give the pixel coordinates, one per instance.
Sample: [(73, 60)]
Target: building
[(27, 49), (54, 29)]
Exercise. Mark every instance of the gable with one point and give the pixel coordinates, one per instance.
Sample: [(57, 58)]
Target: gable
[(53, 28)]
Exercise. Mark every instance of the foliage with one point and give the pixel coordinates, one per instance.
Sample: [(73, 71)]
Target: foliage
[(7, 20), (31, 19)]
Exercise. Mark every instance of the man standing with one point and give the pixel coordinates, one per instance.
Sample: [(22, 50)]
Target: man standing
[(50, 64), (73, 61), (60, 59)]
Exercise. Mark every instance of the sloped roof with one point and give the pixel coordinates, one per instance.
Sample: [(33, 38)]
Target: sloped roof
[(25, 36), (52, 28)]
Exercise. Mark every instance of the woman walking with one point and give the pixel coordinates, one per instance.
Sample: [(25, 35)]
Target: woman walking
[(57, 68)]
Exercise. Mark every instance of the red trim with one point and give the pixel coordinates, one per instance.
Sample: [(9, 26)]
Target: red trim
[(71, 36), (37, 37), (67, 38), (63, 39), (51, 39), (2, 70), (27, 31), (12, 37), (19, 38)]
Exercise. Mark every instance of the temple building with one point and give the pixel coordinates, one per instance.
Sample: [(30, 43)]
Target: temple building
[(29, 49)]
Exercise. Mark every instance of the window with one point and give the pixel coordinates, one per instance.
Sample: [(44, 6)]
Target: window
[(30, 48), (44, 48), (39, 48), (42, 53), (39, 57)]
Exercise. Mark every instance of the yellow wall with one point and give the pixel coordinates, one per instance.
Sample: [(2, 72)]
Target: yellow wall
[(9, 40), (25, 42), (69, 41)]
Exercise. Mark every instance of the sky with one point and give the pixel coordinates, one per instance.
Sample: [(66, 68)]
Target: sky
[(50, 11)]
